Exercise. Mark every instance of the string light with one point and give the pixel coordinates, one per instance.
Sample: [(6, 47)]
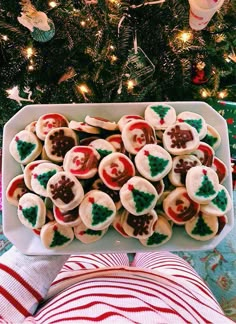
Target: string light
[(222, 94), (204, 93), (30, 67), (112, 47), (114, 58), (82, 23), (4, 37), (185, 36), (52, 4), (131, 84), (83, 88)]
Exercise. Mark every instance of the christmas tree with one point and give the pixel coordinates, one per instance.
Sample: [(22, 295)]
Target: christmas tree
[(58, 239), (100, 213), (156, 164), (24, 148), (201, 228), (89, 53), (206, 189), (31, 214)]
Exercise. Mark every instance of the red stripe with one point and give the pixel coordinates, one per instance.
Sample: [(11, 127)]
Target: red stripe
[(14, 302), (22, 281)]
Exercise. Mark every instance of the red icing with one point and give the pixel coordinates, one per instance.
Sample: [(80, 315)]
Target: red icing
[(130, 187), (146, 153), (121, 230), (102, 119), (18, 183), (91, 200), (220, 169), (162, 121), (204, 172), (90, 161), (195, 16), (208, 155), (54, 228), (34, 166), (37, 231), (17, 138), (54, 116)]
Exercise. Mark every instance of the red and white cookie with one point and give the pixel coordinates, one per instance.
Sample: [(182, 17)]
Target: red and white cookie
[(47, 122), (58, 142), (194, 120), (65, 190), (136, 134), (204, 153), (31, 211), (153, 162), (115, 170), (117, 142), (179, 207), (68, 218), (83, 127), (16, 189), (103, 147), (119, 221), (160, 115), (87, 235), (220, 168), (202, 184), (101, 122), (25, 147), (212, 137), (29, 169), (114, 194), (180, 139), (97, 210), (126, 119), (138, 196), (56, 236), (82, 162)]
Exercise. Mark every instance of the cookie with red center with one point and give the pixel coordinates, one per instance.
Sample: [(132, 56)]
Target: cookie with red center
[(212, 137), (194, 120), (160, 115), (114, 194), (31, 211), (153, 162), (202, 184), (47, 122), (220, 168), (115, 170), (117, 142), (84, 127), (119, 221), (138, 196), (126, 119), (56, 236), (68, 218), (28, 171), (179, 207), (16, 189), (58, 142), (87, 235), (97, 210), (102, 146), (136, 134), (82, 161), (204, 153), (25, 147), (101, 122)]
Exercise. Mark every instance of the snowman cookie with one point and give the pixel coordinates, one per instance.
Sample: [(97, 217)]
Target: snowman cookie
[(47, 122), (220, 168), (16, 189), (204, 153), (160, 115), (101, 122), (83, 127), (87, 235), (194, 120), (126, 119), (69, 218), (56, 236)]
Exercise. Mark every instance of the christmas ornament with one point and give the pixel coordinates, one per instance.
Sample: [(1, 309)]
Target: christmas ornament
[(199, 73), (14, 94)]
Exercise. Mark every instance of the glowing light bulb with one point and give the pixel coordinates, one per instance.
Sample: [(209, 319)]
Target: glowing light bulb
[(52, 4), (204, 93), (114, 58), (185, 36), (29, 52), (112, 47), (4, 37), (82, 23), (222, 94), (130, 84), (83, 88), (31, 67)]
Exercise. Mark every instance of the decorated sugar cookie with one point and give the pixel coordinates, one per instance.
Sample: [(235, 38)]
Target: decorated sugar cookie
[(40, 176), (56, 236), (114, 194), (119, 221), (87, 235), (115, 169), (202, 184), (180, 166), (47, 122), (141, 226), (180, 139), (16, 189), (136, 134), (204, 153), (162, 232), (153, 162), (212, 137), (194, 120), (31, 211), (126, 119), (58, 142), (28, 171), (68, 218), (97, 210), (159, 186), (101, 122), (31, 126), (222, 221), (138, 196), (25, 147), (44, 155), (65, 190), (220, 205), (160, 115), (81, 161), (83, 127), (87, 140), (202, 227), (117, 142), (179, 207), (220, 168), (103, 147)]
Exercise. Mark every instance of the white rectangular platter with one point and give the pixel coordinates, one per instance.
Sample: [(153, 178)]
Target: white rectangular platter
[(26, 241)]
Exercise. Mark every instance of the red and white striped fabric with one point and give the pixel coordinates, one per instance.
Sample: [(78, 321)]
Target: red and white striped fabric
[(157, 287)]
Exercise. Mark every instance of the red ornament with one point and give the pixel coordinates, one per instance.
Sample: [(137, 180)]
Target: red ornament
[(199, 73)]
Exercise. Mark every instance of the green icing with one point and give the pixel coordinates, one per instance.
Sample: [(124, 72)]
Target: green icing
[(142, 199), (103, 152), (156, 238), (156, 164), (44, 177), (24, 148), (161, 111), (92, 232), (58, 239), (100, 213), (201, 228), (206, 189), (210, 140), (221, 200), (31, 214), (196, 123)]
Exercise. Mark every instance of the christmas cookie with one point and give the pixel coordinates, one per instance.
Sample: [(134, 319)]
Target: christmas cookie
[(44, 155), (162, 232), (97, 210), (220, 168), (31, 126), (58, 142), (202, 227), (16, 189), (25, 147), (67, 218), (115, 169), (136, 134), (56, 236), (83, 127), (220, 205), (194, 120), (153, 162), (222, 221), (205, 154), (40, 176), (114, 194), (159, 186), (87, 235), (180, 166), (103, 147), (31, 211), (65, 190), (141, 226), (87, 140), (81, 161), (28, 171), (179, 207), (47, 122), (138, 196), (160, 116), (119, 221), (126, 119), (212, 137), (202, 184), (180, 139), (117, 143), (101, 122)]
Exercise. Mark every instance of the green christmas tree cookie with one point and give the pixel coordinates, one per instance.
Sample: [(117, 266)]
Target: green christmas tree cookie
[(142, 199), (196, 123), (201, 228), (99, 213), (44, 177), (58, 239), (24, 148), (157, 165), (31, 214), (221, 200), (206, 190), (210, 140), (161, 111), (156, 238)]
